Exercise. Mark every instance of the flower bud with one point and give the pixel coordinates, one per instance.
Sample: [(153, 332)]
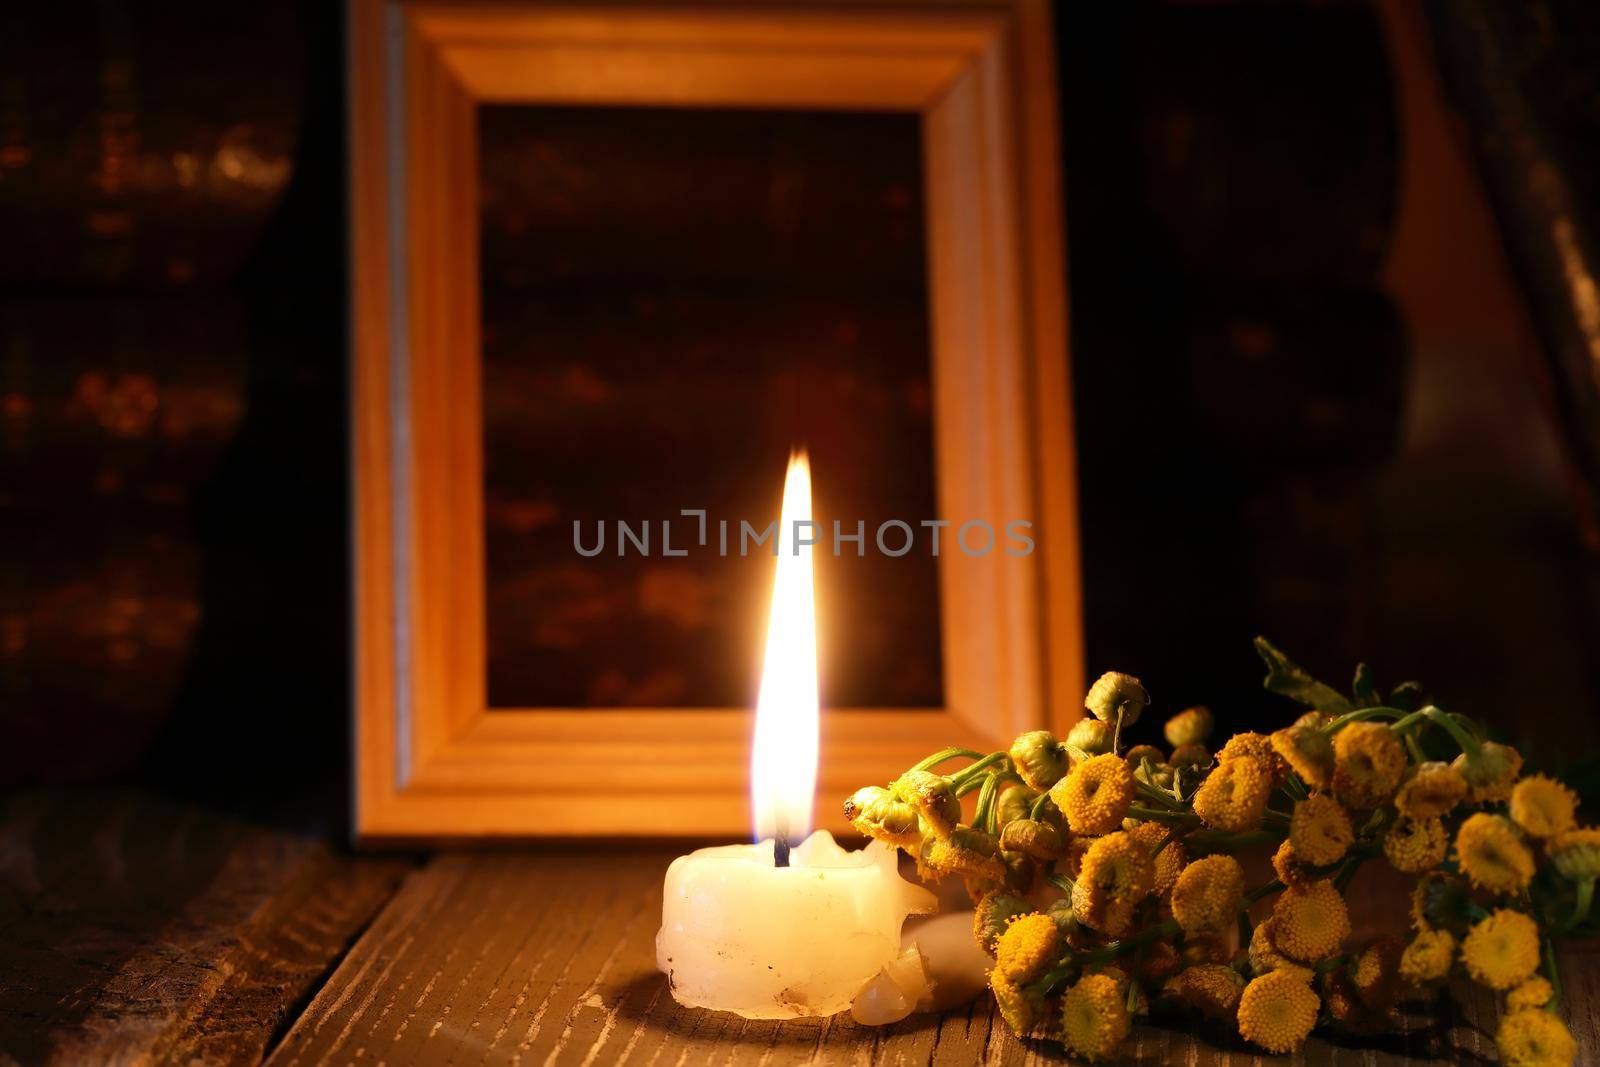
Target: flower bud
[(879, 814), (1576, 855), (1091, 735), (930, 794), (965, 850), (1013, 803), (991, 915), (1032, 838), (1193, 754), (1491, 775), (1190, 726), (1306, 749), (1115, 695), (1038, 758), (1139, 753)]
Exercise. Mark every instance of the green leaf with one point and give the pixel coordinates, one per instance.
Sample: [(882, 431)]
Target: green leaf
[(1289, 679), (1363, 687), (1407, 696)]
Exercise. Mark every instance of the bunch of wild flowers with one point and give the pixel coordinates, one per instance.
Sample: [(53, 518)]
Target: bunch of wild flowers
[(1105, 887)]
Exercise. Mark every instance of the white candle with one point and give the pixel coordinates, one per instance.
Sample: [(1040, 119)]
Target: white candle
[(739, 931)]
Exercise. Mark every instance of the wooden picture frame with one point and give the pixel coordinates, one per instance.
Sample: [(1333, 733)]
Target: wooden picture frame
[(430, 761)]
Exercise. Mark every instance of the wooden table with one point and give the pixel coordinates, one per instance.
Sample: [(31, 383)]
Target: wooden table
[(142, 930)]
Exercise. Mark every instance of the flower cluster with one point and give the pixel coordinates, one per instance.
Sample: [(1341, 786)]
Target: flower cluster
[(1105, 886)]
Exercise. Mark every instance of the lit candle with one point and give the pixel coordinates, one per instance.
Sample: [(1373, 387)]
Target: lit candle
[(771, 931)]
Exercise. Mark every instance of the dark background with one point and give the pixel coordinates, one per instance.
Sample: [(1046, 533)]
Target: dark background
[(1314, 394)]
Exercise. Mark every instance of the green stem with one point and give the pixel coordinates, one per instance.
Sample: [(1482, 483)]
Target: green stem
[(1037, 809), (1406, 723), (983, 818), (1162, 815), (1116, 732), (1581, 905), (1150, 792), (972, 770), (1261, 893), (1552, 971), (1462, 737), (1359, 714), (1061, 882), (945, 754)]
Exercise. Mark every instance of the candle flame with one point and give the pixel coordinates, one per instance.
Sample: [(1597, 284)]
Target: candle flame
[(783, 758)]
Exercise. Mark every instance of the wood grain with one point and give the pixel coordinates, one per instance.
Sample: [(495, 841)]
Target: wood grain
[(548, 958), (138, 930)]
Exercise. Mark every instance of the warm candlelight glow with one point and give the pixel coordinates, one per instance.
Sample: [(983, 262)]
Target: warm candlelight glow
[(783, 758)]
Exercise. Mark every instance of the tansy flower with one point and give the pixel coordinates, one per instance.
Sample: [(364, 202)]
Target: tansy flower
[(1257, 747), (1091, 736), (1038, 758), (1543, 807), (877, 813), (1094, 1017), (1311, 923), (1072, 861), (1264, 956), (1115, 695), (1158, 962), (1416, 845), (1367, 764), (1427, 959), (1490, 776), (1168, 862), (1030, 946), (1139, 753), (1277, 1011), (1536, 992), (1432, 790), (1534, 1038), (1094, 796), (1503, 950), (994, 911), (1576, 854), (1117, 874), (965, 851), (1492, 855), (1207, 894), (930, 794), (1289, 867), (1234, 795), (1192, 755), (1019, 1007), (1212, 989), (1190, 726), (1374, 973), (1306, 749), (1320, 830), (1032, 837)]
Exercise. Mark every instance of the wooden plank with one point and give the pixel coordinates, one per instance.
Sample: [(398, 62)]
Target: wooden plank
[(548, 958), (134, 929)]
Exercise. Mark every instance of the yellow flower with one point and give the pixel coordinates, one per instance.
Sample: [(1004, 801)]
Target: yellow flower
[(1320, 830), (1095, 794), (1115, 695), (1492, 855), (1030, 946), (991, 916), (1038, 758), (1536, 992), (1416, 845), (1019, 1007), (933, 798), (1207, 894), (1264, 955), (1190, 726), (1434, 789), (1534, 1038), (1234, 795), (1116, 875), (1094, 1017), (1374, 973), (1277, 1011), (1576, 854), (1306, 749), (1311, 923), (1367, 764), (1543, 807), (875, 812), (1168, 862), (1489, 777), (965, 851), (1212, 989), (1427, 959), (1259, 748), (1289, 867), (1503, 950)]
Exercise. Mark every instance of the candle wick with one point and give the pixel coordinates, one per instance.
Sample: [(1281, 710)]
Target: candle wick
[(780, 845)]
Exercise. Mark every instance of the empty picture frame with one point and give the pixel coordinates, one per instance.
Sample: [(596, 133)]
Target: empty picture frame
[(433, 759)]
